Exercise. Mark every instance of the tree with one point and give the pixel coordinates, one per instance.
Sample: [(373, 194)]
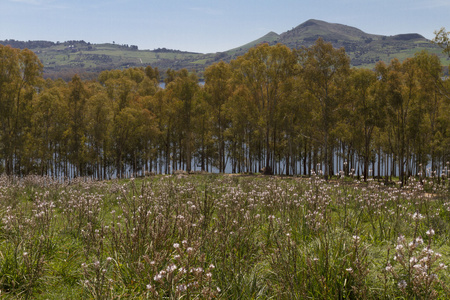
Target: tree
[(264, 70), (76, 134), (323, 69), (47, 145), (99, 113), (442, 39), (368, 112), (183, 89), (20, 76), (218, 87)]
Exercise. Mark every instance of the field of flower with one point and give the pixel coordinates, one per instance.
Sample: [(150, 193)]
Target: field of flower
[(223, 237)]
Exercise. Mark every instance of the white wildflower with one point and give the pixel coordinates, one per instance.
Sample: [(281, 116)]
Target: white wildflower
[(157, 277), (430, 232), (402, 284)]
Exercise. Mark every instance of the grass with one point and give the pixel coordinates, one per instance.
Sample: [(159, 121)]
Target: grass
[(216, 236)]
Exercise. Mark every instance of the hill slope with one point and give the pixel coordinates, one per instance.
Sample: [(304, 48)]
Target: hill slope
[(65, 59), (363, 48)]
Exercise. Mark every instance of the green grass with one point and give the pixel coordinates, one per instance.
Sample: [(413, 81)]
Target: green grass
[(217, 236)]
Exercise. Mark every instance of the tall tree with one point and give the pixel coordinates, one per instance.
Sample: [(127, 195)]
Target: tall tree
[(264, 70), (368, 112), (47, 144), (184, 88), (323, 69), (77, 100), (20, 75), (218, 86)]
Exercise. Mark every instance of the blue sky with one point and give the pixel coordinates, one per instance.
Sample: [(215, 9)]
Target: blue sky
[(207, 25)]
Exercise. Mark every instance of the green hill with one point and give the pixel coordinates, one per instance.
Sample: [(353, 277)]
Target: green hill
[(66, 59)]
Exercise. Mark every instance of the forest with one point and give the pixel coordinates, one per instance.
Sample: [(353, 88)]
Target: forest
[(290, 112)]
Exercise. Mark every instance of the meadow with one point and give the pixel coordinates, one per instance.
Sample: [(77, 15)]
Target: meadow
[(224, 237)]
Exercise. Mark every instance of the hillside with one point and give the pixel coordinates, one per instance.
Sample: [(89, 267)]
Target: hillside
[(66, 59), (363, 48), (71, 57)]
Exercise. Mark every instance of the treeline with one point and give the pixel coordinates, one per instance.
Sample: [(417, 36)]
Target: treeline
[(288, 111)]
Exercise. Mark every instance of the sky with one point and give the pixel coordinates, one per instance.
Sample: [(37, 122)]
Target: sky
[(207, 26)]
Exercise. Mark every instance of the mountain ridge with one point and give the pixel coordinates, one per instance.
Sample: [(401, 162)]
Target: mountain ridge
[(364, 49)]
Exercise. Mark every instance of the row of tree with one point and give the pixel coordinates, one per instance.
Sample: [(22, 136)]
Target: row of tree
[(290, 111)]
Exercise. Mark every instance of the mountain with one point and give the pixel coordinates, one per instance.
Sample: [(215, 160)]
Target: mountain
[(308, 32), (363, 48), (66, 59)]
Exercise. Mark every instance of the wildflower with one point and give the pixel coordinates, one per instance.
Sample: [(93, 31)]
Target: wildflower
[(402, 284), (424, 259), (211, 266), (149, 286), (108, 259), (182, 288), (350, 270), (157, 277), (399, 247), (356, 238), (176, 245), (171, 268), (388, 268), (427, 250), (97, 264), (430, 232), (190, 249), (442, 266), (419, 240), (416, 216)]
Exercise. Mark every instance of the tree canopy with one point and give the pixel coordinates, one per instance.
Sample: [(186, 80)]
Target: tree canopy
[(288, 111)]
